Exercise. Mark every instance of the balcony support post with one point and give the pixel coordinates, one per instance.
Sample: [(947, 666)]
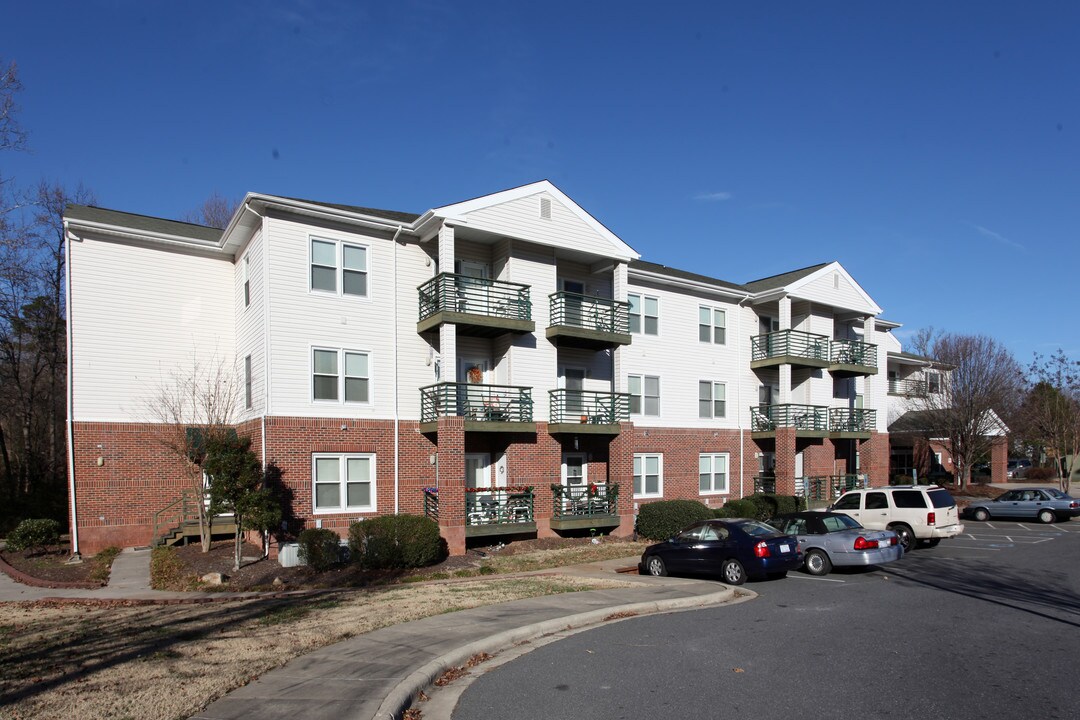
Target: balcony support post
[(785, 461), (451, 475)]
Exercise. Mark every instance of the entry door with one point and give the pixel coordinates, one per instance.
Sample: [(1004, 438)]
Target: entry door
[(575, 479), (574, 383), (472, 293), (472, 371), (477, 470)]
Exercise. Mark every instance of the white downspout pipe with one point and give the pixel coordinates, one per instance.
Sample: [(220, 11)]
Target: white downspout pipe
[(70, 396), (738, 393), (397, 413)]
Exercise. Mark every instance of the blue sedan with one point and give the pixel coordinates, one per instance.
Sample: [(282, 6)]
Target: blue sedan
[(733, 548), (1045, 504)]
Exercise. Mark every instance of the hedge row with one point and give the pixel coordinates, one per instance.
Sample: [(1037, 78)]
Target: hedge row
[(662, 519), (386, 542)]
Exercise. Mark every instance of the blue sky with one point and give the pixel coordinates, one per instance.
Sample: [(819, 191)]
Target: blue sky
[(931, 148)]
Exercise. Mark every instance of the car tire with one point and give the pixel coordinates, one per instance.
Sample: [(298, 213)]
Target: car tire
[(1047, 516), (907, 537), (817, 562), (981, 515), (933, 542), (655, 567), (733, 573)]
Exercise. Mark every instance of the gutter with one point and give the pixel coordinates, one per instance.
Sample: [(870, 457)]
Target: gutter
[(397, 415), (70, 429)]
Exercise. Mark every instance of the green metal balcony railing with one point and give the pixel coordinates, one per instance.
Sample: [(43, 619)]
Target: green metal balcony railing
[(583, 501), (790, 343), (431, 503), (588, 406), (829, 487), (908, 388), (852, 420), (499, 506), (491, 403), (801, 417), (852, 352), (590, 313), (447, 292)]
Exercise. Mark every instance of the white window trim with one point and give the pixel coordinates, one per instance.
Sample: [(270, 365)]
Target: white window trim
[(642, 297), (712, 399), (660, 476), (247, 280), (727, 474), (249, 394), (339, 267), (343, 466), (712, 324), (341, 376), (659, 394)]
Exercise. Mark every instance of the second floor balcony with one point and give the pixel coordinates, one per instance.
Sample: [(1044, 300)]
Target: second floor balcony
[(588, 322), (588, 412), (485, 408), (808, 420), (478, 306), (789, 347), (848, 358), (856, 423), (908, 387)]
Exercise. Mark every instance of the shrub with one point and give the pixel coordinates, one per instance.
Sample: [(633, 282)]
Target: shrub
[(319, 548), (395, 541), (1041, 473), (768, 505), (34, 534), (736, 509), (166, 570), (662, 519)]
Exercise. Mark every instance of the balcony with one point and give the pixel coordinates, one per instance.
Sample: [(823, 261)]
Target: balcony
[(808, 420), (818, 490), (852, 423), (908, 388), (478, 306), (789, 347), (848, 358), (585, 507), (587, 412), (491, 511), (588, 322), (486, 408)]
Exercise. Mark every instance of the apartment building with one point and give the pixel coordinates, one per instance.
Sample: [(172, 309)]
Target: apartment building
[(506, 365)]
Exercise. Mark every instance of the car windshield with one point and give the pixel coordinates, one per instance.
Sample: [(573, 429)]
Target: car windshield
[(837, 523), (941, 498), (758, 529)]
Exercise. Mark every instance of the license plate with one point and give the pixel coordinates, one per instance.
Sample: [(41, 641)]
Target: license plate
[(784, 547)]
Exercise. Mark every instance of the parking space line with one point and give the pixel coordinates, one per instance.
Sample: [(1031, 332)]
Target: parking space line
[(953, 546), (807, 577)]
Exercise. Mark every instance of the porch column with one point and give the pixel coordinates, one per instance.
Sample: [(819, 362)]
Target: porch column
[(447, 331), (451, 474), (785, 460), (785, 377), (999, 459)]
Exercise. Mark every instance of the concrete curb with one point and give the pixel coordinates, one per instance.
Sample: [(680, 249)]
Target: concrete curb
[(404, 694)]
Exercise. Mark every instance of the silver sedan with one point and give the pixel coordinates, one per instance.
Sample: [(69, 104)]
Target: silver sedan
[(834, 539), (1043, 504)]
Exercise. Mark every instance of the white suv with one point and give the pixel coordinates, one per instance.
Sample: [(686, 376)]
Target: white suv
[(913, 512)]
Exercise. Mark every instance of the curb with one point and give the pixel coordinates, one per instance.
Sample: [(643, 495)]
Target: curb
[(403, 695)]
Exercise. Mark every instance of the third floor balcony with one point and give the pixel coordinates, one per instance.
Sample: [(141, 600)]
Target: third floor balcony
[(478, 306), (484, 407), (848, 358), (789, 347), (588, 322)]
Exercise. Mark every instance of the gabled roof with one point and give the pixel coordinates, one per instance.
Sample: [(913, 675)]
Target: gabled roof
[(658, 269), (782, 280), (87, 214), (921, 421)]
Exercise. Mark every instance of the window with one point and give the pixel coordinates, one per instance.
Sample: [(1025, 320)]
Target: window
[(328, 383), (877, 501), (908, 499), (713, 473), (644, 314), (712, 325), (712, 399), (247, 281), (848, 502), (343, 483), (327, 256), (644, 393), (648, 476), (247, 382), (933, 382)]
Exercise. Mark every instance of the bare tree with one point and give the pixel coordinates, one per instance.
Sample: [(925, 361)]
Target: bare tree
[(983, 387), (191, 410), (216, 212), (1051, 412), (12, 136)]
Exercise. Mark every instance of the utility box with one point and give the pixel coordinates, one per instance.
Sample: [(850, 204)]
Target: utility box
[(289, 554)]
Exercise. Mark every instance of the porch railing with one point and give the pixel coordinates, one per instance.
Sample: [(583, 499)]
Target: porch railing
[(181, 510), (816, 487), (852, 420), (852, 352), (477, 296), (801, 417), (473, 401), (585, 500), (431, 503), (590, 313), (908, 388), (794, 343), (499, 506), (588, 406)]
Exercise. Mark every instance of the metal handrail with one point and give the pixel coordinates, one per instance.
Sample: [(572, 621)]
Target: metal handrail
[(852, 352), (476, 296), (499, 506), (801, 417), (172, 516), (431, 503), (590, 313), (476, 401), (908, 388), (589, 406), (795, 343), (852, 419), (585, 500)]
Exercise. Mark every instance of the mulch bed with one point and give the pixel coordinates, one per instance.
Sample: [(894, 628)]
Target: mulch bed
[(50, 569)]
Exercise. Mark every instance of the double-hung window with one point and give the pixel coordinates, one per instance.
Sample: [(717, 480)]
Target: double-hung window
[(341, 375), (644, 314), (712, 325), (712, 399), (648, 475), (247, 382), (644, 391), (712, 473), (933, 382), (339, 267), (343, 483)]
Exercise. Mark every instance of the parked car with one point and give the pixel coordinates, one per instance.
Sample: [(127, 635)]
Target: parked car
[(734, 548), (1017, 468), (1044, 504), (913, 512), (831, 539)]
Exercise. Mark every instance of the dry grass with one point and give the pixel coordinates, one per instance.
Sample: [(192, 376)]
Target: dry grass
[(169, 661), (544, 559)]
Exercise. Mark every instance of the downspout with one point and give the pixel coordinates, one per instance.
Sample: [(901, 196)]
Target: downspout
[(738, 392), (70, 396), (397, 416)]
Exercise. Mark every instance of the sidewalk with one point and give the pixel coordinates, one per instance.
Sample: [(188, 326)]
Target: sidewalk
[(378, 674)]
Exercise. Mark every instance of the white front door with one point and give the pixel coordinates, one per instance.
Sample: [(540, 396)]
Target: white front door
[(477, 470), (574, 471), (471, 401), (573, 380), (473, 295)]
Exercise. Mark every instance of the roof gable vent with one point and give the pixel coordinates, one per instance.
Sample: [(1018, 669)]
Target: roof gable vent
[(545, 208)]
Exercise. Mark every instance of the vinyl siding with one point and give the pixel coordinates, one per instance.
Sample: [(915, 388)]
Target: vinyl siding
[(822, 290), (140, 315), (521, 219), (250, 325), (532, 358)]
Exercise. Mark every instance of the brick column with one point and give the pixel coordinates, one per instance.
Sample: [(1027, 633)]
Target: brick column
[(785, 461), (451, 476), (999, 460), (621, 470), (874, 459)]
